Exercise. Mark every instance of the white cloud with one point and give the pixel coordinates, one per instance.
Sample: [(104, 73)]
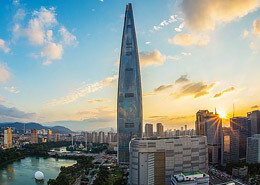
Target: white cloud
[(46, 63), (186, 54), (256, 26), (151, 58), (83, 91), (185, 39), (67, 37), (148, 42), (38, 25), (245, 33), (52, 51), (205, 14), (4, 73), (180, 27), (173, 18), (3, 46), (12, 89)]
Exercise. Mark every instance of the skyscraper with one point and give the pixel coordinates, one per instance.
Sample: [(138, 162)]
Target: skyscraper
[(159, 129), (34, 136), (210, 125), (253, 149), (129, 100), (8, 138), (255, 122), (148, 130)]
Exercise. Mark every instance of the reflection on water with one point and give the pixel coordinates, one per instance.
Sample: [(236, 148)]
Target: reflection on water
[(22, 171)]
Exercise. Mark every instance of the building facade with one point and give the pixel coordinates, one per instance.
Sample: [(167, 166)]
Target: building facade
[(8, 138), (129, 100), (153, 161), (34, 136), (253, 149), (159, 130), (255, 122), (148, 130)]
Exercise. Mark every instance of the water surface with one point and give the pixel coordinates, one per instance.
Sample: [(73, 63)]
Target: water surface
[(21, 172)]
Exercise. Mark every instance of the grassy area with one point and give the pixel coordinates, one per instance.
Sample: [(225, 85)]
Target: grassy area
[(114, 176)]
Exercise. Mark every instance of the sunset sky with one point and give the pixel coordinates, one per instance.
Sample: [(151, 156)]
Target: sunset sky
[(59, 61)]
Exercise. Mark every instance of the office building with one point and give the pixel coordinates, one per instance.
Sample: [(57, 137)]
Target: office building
[(190, 178), (253, 149), (234, 145), (148, 130), (239, 126), (159, 129), (8, 138), (255, 122), (129, 100), (226, 150), (210, 125), (154, 160), (200, 122), (34, 136)]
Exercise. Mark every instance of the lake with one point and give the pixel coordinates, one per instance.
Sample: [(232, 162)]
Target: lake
[(21, 172)]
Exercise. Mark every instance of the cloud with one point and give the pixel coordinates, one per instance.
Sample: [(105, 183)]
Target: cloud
[(42, 20), (182, 79), (148, 42), (173, 18), (99, 114), (255, 107), (185, 39), (12, 89), (9, 114), (52, 51), (4, 73), (193, 89), (162, 88), (83, 91), (245, 33), (223, 92), (205, 14), (180, 27), (3, 46), (94, 101), (186, 54), (256, 26), (67, 37), (152, 58)]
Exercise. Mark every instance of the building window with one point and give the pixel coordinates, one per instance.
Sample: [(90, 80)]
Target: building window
[(129, 125), (128, 53), (129, 95), (128, 69), (129, 26)]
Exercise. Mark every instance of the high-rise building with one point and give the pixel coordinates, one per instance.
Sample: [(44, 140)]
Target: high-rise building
[(253, 149), (111, 137), (240, 129), (129, 100), (8, 138), (234, 145), (148, 130), (200, 121), (34, 136), (255, 122), (101, 137), (50, 135), (159, 129), (210, 125), (153, 161), (56, 137), (94, 137), (226, 142)]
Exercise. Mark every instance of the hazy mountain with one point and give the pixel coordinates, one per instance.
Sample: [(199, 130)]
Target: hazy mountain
[(20, 126)]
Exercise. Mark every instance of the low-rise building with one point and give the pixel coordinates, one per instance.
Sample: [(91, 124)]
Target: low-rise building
[(190, 178)]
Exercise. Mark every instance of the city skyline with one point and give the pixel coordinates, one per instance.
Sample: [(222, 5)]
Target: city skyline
[(62, 70)]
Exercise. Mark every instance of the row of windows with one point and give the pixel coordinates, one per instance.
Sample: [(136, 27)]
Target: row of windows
[(128, 53), (129, 95), (129, 125), (129, 69)]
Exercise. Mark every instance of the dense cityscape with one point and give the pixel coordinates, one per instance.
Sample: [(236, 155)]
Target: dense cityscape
[(215, 148)]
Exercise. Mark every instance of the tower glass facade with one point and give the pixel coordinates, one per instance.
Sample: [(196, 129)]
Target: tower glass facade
[(129, 100)]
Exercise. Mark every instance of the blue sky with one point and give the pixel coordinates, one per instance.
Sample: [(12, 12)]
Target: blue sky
[(59, 61)]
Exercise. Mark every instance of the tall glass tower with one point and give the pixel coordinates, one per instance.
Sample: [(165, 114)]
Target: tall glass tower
[(129, 100)]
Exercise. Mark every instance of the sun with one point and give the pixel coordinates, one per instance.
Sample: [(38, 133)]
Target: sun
[(222, 115)]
